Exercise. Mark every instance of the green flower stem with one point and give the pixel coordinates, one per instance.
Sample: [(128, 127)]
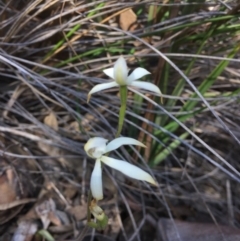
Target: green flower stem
[(122, 111)]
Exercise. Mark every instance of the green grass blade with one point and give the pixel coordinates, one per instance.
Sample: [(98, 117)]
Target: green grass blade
[(168, 150)]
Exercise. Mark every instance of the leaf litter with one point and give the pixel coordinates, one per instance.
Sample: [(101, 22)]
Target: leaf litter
[(44, 174)]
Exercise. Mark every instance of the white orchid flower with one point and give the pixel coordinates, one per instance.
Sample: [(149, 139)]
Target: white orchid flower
[(96, 147), (119, 73)]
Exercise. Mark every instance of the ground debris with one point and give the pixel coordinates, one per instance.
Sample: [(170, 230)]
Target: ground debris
[(25, 231)]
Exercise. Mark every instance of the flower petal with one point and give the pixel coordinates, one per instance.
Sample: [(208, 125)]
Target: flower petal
[(95, 147), (109, 72), (114, 144), (146, 86), (137, 74), (100, 87), (128, 169), (96, 181), (120, 70)]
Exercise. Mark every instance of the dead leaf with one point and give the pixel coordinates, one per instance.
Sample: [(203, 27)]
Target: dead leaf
[(51, 121), (127, 20), (15, 203), (79, 212), (74, 126), (70, 192), (14, 186), (63, 217), (9, 206), (53, 152), (25, 231), (7, 188), (46, 211), (54, 218)]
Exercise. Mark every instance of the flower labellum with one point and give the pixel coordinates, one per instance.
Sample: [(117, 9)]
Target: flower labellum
[(99, 215), (96, 147), (96, 211), (119, 73)]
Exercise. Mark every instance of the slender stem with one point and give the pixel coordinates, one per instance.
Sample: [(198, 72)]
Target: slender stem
[(122, 111)]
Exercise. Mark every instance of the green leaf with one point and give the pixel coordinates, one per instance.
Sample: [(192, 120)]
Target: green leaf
[(46, 235)]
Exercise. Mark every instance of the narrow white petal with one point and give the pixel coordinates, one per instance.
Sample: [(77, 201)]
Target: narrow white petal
[(114, 144), (95, 147), (146, 86), (109, 72), (96, 181), (100, 87), (120, 71), (128, 169), (137, 74)]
